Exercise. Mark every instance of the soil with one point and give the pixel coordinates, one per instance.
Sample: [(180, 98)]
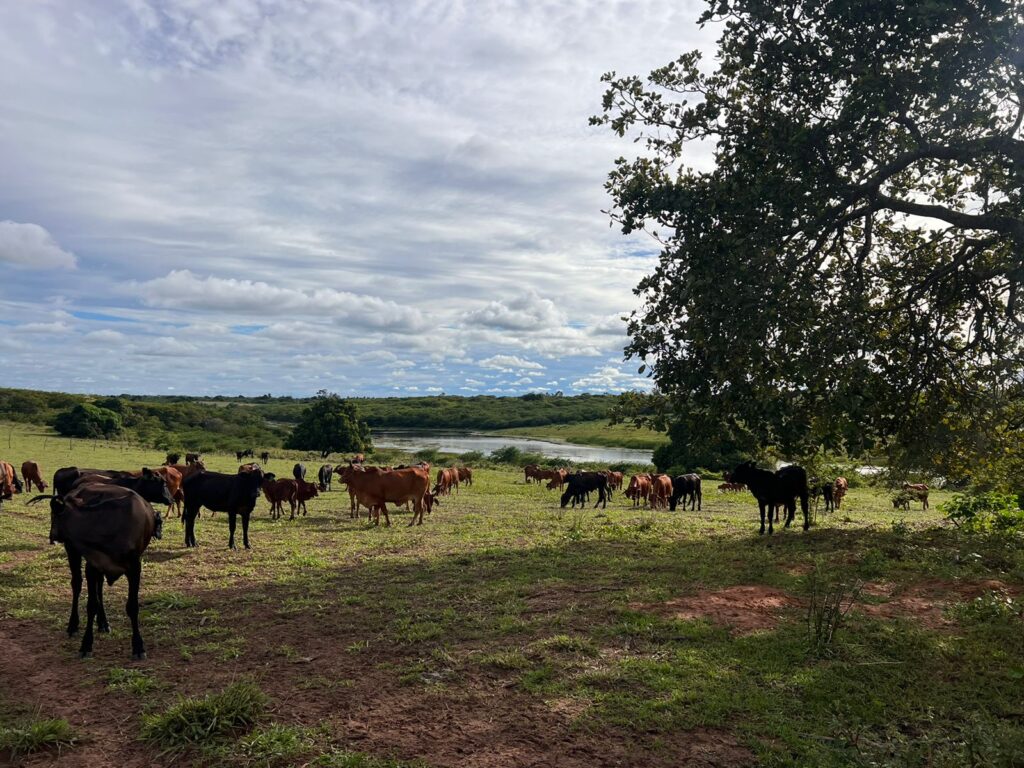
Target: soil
[(925, 602), (744, 609)]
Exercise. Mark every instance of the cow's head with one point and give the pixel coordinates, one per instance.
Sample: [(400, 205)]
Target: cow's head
[(153, 488)]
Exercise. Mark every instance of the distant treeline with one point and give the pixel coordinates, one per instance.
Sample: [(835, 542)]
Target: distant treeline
[(230, 423)]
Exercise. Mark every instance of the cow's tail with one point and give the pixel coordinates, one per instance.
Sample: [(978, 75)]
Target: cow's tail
[(37, 499)]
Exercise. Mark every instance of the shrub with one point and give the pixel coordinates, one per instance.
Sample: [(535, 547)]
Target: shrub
[(85, 420), (983, 512), (830, 601)]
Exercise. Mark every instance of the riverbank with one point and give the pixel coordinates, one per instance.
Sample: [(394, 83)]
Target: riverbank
[(591, 433)]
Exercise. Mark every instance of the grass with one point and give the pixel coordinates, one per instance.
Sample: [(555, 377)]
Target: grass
[(194, 720), (592, 433), (34, 735), (502, 600)]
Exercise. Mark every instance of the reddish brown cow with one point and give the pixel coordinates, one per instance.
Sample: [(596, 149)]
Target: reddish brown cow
[(465, 476), (304, 492), (375, 488), (277, 492), (661, 490), (31, 474), (556, 478), (9, 482), (446, 480), (615, 480), (530, 473), (839, 489), (639, 489)]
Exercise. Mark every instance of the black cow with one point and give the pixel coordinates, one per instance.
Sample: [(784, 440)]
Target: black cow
[(578, 486), (687, 488), (326, 471), (247, 453), (773, 489), (299, 471), (110, 527), (191, 458), (173, 458), (65, 477), (265, 458), (825, 491), (234, 494)]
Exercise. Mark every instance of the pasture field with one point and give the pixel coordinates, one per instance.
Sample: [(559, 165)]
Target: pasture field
[(508, 632)]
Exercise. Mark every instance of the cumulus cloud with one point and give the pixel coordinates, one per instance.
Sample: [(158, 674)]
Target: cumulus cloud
[(181, 288), (528, 312), (510, 364), (29, 245), (611, 379)]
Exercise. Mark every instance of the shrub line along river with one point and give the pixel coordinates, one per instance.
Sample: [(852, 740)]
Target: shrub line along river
[(454, 441)]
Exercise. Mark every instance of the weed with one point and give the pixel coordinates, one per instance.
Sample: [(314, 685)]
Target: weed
[(991, 607), (35, 735), (569, 644), (345, 759), (195, 719), (131, 680), (274, 745), (830, 601), (506, 660)]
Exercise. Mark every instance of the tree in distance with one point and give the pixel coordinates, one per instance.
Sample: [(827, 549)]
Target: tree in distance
[(849, 271), (330, 425)]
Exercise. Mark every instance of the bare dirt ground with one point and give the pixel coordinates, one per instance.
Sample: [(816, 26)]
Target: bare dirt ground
[(743, 609)]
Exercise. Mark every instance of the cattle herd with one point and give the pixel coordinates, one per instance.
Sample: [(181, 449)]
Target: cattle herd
[(107, 518)]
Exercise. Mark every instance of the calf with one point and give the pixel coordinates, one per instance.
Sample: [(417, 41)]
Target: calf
[(826, 492), (234, 494), (579, 485), (303, 493), (902, 499), (110, 527), (661, 491), (773, 489), (839, 489), (33, 476), (325, 474), (278, 492), (687, 488)]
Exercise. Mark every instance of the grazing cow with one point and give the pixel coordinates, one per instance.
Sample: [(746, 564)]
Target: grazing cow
[(9, 481), (375, 487), (172, 458), (278, 492), (915, 487), (190, 458), (299, 471), (325, 475), (772, 489), (661, 491), (557, 478), (839, 489), (110, 527), (687, 488), (234, 494), (465, 476), (446, 479), (615, 480), (902, 499), (733, 487), (579, 485), (639, 489), (826, 492), (304, 492), (265, 458), (246, 454), (32, 475)]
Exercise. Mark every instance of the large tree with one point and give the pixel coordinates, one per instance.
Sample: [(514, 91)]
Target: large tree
[(329, 425), (839, 200)]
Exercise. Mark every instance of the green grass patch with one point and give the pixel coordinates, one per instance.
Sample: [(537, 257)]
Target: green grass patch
[(36, 734), (194, 720), (130, 680), (345, 759)]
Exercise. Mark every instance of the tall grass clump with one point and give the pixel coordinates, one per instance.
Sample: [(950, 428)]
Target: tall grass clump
[(193, 720), (831, 599), (35, 735)]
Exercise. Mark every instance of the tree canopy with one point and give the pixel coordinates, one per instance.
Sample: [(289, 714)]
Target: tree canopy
[(330, 425), (87, 420), (848, 267)]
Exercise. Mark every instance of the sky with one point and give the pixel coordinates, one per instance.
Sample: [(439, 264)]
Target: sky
[(370, 197)]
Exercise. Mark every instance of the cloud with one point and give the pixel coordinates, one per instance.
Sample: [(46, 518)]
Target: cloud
[(29, 245), (529, 312), (611, 379), (510, 364)]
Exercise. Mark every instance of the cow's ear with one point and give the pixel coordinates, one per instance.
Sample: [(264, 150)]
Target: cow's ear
[(146, 472)]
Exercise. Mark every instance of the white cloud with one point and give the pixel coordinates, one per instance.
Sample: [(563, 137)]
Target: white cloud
[(510, 364), (29, 245), (528, 312), (611, 379)]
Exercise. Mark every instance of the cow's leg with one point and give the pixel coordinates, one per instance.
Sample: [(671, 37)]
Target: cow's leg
[(102, 625), (131, 607), (75, 564), (245, 528), (384, 509), (761, 506), (190, 526), (91, 577), (231, 528)]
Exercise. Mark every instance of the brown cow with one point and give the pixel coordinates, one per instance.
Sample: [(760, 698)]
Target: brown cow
[(639, 488), (252, 466), (446, 480), (173, 479), (465, 476), (186, 471), (615, 480), (31, 473), (530, 473), (303, 493), (661, 491), (839, 489), (557, 478), (277, 492), (375, 488), (9, 482)]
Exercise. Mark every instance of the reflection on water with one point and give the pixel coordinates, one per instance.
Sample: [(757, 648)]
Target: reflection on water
[(463, 442)]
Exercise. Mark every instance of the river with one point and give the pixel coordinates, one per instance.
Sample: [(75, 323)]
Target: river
[(463, 442)]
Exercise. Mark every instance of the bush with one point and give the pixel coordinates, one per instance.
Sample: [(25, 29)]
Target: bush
[(983, 512), (330, 424), (85, 420), (471, 457)]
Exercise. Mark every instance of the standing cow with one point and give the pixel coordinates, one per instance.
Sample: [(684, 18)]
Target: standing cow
[(33, 476)]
